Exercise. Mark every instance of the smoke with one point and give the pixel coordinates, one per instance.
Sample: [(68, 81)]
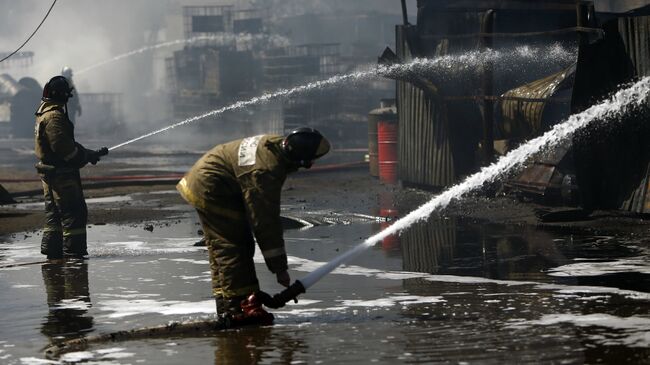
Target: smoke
[(86, 33), (79, 33)]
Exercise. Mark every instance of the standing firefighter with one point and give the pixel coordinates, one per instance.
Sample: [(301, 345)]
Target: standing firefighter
[(236, 188), (61, 157), (74, 105)]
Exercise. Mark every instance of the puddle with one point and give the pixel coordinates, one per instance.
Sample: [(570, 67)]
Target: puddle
[(448, 291)]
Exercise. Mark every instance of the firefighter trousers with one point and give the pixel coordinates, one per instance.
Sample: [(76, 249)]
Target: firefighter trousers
[(231, 248), (66, 215)]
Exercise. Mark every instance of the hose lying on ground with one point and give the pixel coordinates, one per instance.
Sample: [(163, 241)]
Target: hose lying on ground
[(204, 327), (194, 328)]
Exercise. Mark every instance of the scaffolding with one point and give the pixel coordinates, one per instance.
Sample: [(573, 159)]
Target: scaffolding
[(20, 59), (289, 65), (207, 20)]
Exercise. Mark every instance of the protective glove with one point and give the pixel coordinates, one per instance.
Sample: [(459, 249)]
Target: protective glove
[(280, 299), (268, 300), (93, 156)]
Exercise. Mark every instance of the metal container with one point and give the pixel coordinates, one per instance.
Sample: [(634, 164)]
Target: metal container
[(387, 150), (387, 112)]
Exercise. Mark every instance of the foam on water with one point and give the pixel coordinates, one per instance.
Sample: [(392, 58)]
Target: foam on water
[(306, 265), (449, 64), (627, 98), (627, 265), (215, 39), (635, 329), (120, 308)]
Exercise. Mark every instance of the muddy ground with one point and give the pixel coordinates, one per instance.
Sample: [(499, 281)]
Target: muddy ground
[(488, 281)]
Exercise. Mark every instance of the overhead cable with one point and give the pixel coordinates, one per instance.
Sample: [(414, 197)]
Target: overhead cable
[(35, 30)]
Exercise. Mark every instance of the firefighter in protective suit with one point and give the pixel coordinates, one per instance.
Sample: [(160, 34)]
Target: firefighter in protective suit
[(74, 104), (236, 188), (61, 157)]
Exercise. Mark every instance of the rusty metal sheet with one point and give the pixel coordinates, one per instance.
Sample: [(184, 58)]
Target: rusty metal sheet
[(524, 118)]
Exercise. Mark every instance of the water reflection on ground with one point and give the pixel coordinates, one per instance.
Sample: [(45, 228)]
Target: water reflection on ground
[(447, 290)]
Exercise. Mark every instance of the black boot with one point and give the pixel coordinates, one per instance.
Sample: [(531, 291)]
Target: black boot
[(227, 309)]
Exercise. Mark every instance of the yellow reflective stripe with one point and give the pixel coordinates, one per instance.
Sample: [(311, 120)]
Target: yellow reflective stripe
[(71, 155), (73, 232), (235, 293), (188, 195), (52, 229), (274, 252), (199, 203)]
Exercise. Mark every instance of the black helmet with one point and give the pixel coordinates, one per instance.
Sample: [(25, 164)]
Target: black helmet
[(57, 89), (304, 145)]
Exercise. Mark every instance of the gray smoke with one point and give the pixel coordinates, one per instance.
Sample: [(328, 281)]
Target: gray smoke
[(83, 33)]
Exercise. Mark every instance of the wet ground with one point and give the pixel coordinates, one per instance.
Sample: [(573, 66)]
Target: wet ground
[(463, 288)]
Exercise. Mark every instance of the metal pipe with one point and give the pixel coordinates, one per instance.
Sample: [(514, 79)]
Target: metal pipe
[(405, 17)]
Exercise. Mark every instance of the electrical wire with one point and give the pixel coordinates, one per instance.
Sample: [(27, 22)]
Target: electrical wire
[(35, 30)]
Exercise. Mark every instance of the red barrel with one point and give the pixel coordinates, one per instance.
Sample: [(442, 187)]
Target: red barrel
[(387, 151)]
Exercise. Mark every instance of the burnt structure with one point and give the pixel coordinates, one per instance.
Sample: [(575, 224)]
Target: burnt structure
[(335, 112), (451, 126), (18, 59), (236, 54), (221, 65), (216, 68), (18, 101)]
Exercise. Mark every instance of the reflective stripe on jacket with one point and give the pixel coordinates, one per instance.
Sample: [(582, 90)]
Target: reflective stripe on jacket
[(243, 180)]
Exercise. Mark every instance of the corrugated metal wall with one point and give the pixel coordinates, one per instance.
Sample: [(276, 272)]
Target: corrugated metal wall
[(425, 246), (424, 149), (636, 37), (425, 156)]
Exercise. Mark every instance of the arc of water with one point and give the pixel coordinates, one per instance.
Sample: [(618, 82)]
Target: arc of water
[(630, 97), (447, 63), (224, 38)]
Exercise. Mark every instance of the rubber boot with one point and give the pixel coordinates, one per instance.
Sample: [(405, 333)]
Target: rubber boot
[(52, 245), (252, 313), (227, 309)]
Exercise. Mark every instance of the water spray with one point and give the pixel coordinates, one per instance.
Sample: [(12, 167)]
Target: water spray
[(219, 39), (623, 100), (449, 64), (629, 98)]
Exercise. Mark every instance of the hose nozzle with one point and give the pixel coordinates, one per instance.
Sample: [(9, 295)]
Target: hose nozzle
[(283, 297)]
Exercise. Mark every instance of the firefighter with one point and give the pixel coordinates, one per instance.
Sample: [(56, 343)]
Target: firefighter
[(74, 104), (235, 188), (60, 158)]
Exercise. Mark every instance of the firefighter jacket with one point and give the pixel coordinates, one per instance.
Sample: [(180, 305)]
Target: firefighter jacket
[(54, 141), (250, 170)]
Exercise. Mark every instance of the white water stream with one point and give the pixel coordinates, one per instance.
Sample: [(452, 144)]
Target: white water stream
[(624, 100), (219, 39), (449, 64)]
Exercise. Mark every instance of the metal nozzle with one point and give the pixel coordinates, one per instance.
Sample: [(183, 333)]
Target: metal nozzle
[(283, 297)]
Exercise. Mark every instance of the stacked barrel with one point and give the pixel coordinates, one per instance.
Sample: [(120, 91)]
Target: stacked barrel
[(382, 142)]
